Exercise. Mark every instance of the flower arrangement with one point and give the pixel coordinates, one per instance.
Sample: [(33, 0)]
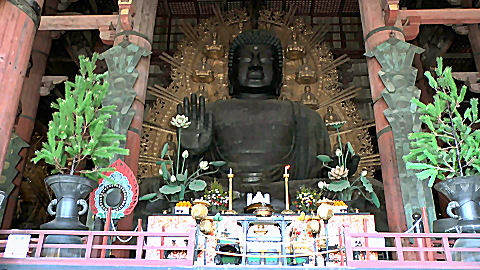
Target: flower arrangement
[(452, 147), (344, 187), (178, 181), (306, 198), (217, 198)]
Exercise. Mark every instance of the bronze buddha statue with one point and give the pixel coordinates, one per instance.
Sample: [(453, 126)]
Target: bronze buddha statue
[(254, 132)]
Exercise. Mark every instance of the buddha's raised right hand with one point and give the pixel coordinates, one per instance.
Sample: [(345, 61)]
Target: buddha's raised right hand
[(198, 136)]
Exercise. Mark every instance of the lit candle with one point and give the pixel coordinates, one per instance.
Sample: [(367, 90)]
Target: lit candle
[(230, 195), (286, 169)]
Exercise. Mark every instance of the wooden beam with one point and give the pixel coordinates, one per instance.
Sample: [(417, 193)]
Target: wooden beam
[(76, 22), (442, 16)]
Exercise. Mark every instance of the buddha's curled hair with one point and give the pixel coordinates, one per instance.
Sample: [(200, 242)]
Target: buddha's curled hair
[(258, 37)]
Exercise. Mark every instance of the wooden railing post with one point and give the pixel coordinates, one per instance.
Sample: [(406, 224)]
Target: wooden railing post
[(191, 246), (88, 250), (426, 227), (38, 251), (348, 244), (399, 248), (340, 245), (139, 250), (420, 245), (446, 249)]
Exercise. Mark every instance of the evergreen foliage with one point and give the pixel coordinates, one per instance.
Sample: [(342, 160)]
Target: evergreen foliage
[(78, 129), (451, 148)]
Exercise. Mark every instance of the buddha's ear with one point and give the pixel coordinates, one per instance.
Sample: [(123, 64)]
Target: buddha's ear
[(230, 89), (278, 88)]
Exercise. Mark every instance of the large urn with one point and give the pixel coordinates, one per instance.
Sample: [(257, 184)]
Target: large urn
[(69, 193), (464, 196)]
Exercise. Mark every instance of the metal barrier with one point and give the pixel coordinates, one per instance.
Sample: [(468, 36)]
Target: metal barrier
[(92, 258), (401, 242)]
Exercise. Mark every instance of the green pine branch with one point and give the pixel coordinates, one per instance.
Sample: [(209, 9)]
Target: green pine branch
[(78, 128), (450, 148)]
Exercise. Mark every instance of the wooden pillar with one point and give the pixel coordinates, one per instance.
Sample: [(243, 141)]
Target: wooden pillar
[(30, 97), (372, 18), (473, 36), (144, 22), (16, 40)]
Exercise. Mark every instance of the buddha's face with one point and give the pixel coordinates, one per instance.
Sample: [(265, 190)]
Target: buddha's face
[(254, 67)]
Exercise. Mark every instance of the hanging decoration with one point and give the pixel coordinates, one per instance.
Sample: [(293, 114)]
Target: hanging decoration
[(118, 190)]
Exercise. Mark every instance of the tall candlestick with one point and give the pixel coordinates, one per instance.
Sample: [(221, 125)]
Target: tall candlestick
[(287, 210), (230, 196)]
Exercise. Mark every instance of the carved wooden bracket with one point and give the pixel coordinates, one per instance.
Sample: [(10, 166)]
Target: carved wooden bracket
[(107, 34), (391, 9), (411, 27), (126, 9), (411, 19)]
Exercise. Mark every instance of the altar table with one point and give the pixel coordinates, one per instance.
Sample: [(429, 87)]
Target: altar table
[(261, 236)]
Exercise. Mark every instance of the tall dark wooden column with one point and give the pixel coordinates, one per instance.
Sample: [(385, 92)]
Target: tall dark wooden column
[(372, 19), (30, 97), (16, 40)]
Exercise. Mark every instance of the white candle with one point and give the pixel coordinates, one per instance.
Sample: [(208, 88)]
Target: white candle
[(249, 199), (230, 171), (286, 169)]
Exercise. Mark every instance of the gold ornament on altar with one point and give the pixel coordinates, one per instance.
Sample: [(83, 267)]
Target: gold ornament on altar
[(325, 209), (263, 211), (191, 73), (200, 209), (206, 225), (313, 224)]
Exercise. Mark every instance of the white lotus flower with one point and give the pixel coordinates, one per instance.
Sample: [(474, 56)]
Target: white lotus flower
[(180, 121), (173, 178), (338, 152), (322, 185), (185, 154), (338, 173), (364, 173), (203, 165)]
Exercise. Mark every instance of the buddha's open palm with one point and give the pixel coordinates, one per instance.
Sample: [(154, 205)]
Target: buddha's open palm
[(198, 136)]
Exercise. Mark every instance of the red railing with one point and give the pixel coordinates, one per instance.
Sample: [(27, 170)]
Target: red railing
[(93, 250), (406, 254), (402, 246)]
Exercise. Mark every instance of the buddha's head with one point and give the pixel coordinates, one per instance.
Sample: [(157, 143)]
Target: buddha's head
[(255, 62)]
